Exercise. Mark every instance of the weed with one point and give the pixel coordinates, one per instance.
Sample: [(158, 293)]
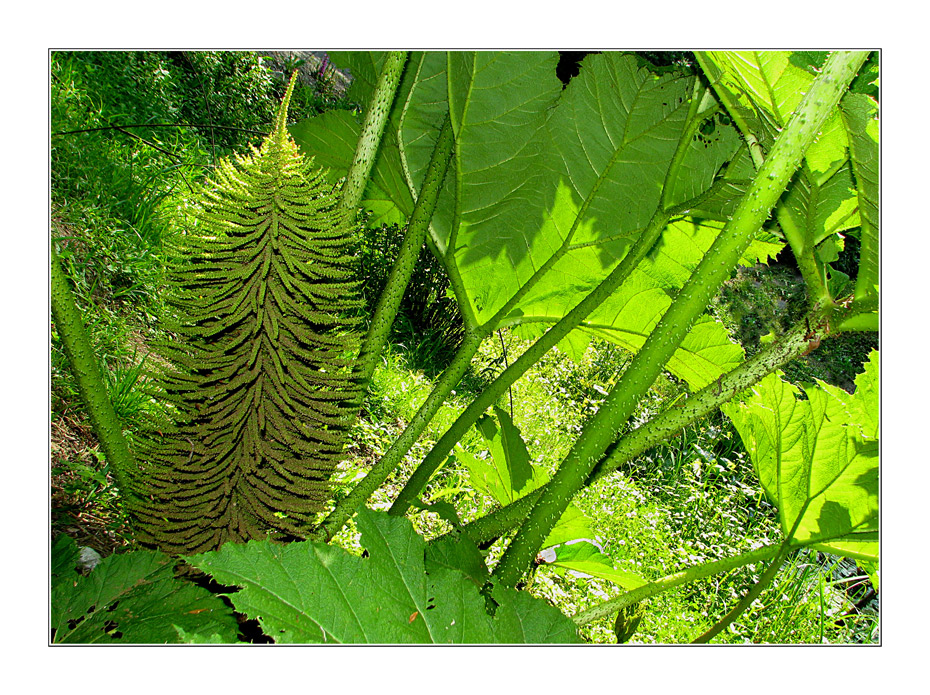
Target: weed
[(766, 299)]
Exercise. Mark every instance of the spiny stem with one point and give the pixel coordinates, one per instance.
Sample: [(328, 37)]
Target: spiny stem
[(495, 390), (715, 267), (372, 129), (389, 301), (347, 507), (747, 600), (685, 576), (665, 425), (80, 353)]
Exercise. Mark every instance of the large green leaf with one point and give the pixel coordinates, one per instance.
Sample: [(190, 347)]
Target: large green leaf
[(364, 66), (132, 599), (584, 186), (65, 557), (570, 199), (765, 89), (549, 188), (817, 458), (310, 592), (819, 211), (459, 552), (860, 114), (761, 89)]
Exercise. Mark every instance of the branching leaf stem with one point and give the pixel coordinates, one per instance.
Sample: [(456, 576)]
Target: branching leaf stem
[(750, 214), (685, 576), (103, 419), (661, 427), (750, 596)]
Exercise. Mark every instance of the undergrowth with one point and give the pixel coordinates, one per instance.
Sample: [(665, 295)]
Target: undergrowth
[(693, 499)]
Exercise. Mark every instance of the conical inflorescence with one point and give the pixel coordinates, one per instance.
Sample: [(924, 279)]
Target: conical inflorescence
[(262, 301)]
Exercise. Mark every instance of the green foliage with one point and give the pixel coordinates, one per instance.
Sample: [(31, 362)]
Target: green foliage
[(114, 173), (860, 116), (116, 194), (628, 620), (762, 302), (130, 599), (456, 234), (231, 90), (586, 558), (562, 211), (611, 209), (805, 604), (761, 90), (120, 190), (817, 459), (310, 592), (428, 324), (507, 473), (261, 296)]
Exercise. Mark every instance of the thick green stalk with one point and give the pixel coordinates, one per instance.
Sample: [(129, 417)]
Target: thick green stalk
[(372, 129), (790, 346), (454, 372), (397, 282), (347, 507), (747, 600), (506, 379), (685, 576), (474, 335), (392, 457), (664, 425), (103, 419), (807, 263), (509, 376), (811, 270), (716, 266)]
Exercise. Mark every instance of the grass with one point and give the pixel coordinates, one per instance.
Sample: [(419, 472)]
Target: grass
[(691, 500), (694, 498)]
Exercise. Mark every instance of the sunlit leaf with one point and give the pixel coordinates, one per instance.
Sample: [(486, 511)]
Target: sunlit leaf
[(812, 456), (761, 90), (310, 592), (860, 114), (132, 598), (549, 188), (586, 558)]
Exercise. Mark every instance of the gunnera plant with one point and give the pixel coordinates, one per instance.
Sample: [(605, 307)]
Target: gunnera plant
[(263, 310)]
